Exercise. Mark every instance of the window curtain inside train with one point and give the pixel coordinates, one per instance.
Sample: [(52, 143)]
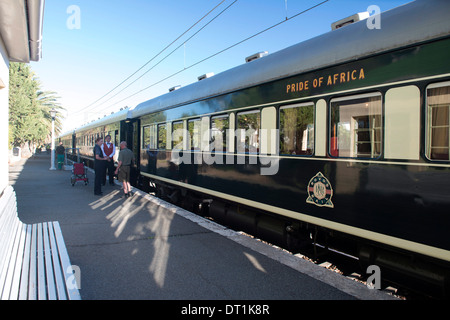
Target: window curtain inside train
[(438, 123)]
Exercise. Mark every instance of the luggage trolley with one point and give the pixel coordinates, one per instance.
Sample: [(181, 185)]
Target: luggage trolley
[(79, 173)]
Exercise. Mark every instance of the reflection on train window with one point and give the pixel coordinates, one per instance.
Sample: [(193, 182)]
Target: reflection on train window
[(116, 138), (145, 137), (153, 144), (149, 134), (219, 127), (162, 136), (177, 135), (355, 130), (194, 128), (297, 129), (438, 102), (248, 131)]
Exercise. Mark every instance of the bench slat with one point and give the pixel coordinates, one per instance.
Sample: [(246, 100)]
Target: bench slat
[(57, 267), (50, 279), (5, 249), (9, 262), (41, 288), (7, 203), (72, 289), (32, 280), (25, 273), (14, 294)]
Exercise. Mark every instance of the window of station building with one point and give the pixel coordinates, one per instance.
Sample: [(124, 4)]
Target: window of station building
[(177, 135), (194, 128), (162, 136), (297, 129), (248, 131), (219, 128), (356, 126), (438, 123)]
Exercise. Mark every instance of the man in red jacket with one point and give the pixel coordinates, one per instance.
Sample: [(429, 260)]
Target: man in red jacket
[(109, 150)]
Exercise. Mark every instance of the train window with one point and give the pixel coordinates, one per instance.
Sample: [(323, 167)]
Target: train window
[(146, 137), (116, 138), (177, 135), (219, 127), (438, 124), (194, 128), (297, 129), (153, 141), (149, 134), (356, 125), (248, 131), (162, 136)]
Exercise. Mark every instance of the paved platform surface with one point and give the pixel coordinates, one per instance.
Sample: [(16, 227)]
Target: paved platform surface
[(145, 248)]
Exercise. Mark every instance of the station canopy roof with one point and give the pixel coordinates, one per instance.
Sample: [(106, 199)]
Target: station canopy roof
[(21, 29)]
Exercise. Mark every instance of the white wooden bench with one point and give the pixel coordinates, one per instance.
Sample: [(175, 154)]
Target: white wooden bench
[(34, 263)]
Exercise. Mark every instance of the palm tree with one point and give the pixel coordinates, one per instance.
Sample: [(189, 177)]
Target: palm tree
[(47, 100), (29, 108)]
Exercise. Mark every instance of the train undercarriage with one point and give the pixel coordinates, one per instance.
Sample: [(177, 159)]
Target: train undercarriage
[(415, 275)]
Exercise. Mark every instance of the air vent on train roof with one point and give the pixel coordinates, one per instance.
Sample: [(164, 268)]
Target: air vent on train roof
[(205, 76), (349, 20), (256, 56), (174, 88)]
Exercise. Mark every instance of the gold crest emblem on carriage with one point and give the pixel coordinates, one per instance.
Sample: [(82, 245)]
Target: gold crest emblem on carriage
[(320, 191)]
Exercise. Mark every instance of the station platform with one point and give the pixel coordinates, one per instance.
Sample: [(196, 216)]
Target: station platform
[(143, 248)]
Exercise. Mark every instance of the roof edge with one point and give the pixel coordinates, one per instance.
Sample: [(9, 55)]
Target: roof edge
[(21, 24)]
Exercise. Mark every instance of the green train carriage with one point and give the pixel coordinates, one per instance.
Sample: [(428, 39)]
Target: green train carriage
[(342, 139)]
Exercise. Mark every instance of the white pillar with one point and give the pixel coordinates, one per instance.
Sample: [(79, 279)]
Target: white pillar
[(52, 164)]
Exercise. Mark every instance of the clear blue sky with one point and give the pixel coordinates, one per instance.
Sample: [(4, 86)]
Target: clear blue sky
[(117, 37)]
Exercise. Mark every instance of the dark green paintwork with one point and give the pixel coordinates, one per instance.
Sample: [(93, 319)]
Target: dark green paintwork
[(398, 200)]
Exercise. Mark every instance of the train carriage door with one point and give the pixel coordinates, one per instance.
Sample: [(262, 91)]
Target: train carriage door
[(129, 132), (74, 145)]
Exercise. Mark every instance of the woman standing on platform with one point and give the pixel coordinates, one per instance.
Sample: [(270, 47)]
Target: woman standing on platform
[(99, 166)]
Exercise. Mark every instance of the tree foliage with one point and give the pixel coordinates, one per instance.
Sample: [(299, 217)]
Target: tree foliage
[(30, 121)]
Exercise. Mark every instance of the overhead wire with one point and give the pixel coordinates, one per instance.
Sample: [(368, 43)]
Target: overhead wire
[(153, 58), (168, 55), (223, 50)]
